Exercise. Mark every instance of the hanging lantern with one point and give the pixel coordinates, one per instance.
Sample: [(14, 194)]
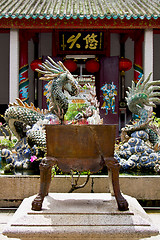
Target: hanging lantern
[(35, 64), (124, 64), (70, 65), (92, 66)]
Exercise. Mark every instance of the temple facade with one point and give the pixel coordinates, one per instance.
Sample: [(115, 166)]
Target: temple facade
[(122, 37)]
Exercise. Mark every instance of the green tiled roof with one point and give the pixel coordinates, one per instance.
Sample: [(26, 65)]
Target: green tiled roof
[(80, 9)]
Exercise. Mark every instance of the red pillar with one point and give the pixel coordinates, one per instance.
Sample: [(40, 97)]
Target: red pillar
[(138, 57), (23, 67)]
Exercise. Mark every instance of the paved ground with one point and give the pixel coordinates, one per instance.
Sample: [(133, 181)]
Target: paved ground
[(6, 214)]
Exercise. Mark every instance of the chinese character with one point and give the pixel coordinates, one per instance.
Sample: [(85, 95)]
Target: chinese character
[(91, 42), (73, 39)]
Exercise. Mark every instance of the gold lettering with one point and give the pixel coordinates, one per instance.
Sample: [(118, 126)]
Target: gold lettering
[(63, 45), (73, 39), (91, 41)]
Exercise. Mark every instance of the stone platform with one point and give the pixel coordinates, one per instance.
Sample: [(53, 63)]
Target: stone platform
[(76, 216)]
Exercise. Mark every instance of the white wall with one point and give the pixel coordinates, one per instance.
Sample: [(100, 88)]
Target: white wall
[(14, 65), (148, 53), (4, 68)]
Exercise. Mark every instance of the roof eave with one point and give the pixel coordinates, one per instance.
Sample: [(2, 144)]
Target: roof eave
[(81, 17)]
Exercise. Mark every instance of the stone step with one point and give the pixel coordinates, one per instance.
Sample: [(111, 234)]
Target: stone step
[(80, 220), (80, 216)]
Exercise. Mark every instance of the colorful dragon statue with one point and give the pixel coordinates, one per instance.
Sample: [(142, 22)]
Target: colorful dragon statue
[(141, 95), (139, 146), (27, 121)]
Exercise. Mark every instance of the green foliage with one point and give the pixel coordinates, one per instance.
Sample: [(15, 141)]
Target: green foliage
[(74, 109), (56, 171), (156, 120), (6, 143)]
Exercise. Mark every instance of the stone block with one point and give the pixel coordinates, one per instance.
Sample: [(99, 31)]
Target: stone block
[(15, 188), (91, 216)]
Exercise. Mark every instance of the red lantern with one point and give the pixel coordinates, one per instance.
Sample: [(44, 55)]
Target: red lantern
[(92, 66), (125, 64), (35, 64), (70, 65)]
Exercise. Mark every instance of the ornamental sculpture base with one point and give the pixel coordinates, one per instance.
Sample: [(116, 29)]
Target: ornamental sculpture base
[(91, 216)]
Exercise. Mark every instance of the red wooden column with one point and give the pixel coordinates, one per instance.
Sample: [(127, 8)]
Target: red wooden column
[(23, 67), (138, 56)]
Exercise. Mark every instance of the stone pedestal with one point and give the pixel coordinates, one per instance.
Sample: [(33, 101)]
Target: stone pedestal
[(77, 216)]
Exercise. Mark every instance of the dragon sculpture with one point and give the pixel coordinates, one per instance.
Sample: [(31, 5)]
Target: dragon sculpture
[(26, 121), (139, 147), (138, 97)]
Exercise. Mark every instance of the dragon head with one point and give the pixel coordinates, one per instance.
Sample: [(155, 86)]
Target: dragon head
[(69, 83), (59, 79), (59, 73), (143, 94)]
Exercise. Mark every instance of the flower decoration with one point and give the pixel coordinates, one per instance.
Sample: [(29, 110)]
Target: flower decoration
[(33, 158)]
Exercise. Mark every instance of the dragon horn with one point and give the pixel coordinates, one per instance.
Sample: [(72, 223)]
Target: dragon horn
[(154, 94), (127, 93), (133, 84), (146, 81), (155, 99), (150, 104), (46, 78), (152, 83), (126, 99), (62, 65), (130, 90), (41, 71), (153, 88), (52, 75), (53, 62), (50, 69), (49, 64)]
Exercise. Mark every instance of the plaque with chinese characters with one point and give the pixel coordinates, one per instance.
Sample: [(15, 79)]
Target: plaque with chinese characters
[(81, 41)]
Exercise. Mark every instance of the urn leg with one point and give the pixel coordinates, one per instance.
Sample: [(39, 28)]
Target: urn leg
[(113, 172), (45, 179)]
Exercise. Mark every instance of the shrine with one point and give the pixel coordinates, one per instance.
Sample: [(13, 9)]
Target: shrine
[(106, 44)]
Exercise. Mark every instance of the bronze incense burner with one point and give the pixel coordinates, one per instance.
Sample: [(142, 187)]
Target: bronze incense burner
[(80, 148)]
